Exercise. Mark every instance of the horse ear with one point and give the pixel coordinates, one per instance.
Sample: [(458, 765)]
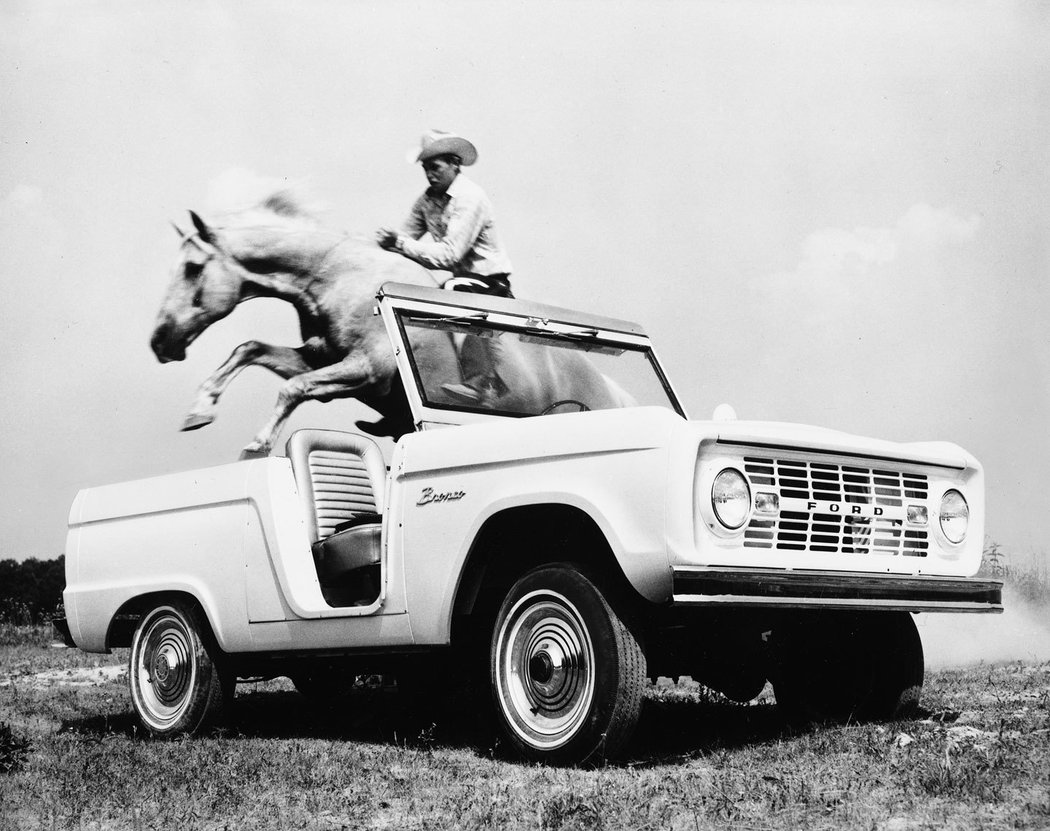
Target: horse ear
[(205, 232)]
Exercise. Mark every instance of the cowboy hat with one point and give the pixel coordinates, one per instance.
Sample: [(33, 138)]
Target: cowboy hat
[(439, 143)]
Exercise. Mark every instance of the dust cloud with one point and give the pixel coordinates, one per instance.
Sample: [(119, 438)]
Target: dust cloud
[(1020, 633)]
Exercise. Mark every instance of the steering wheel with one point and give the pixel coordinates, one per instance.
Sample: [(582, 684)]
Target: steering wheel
[(552, 407)]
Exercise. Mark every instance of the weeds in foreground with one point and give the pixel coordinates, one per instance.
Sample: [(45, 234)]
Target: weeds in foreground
[(966, 763), (13, 750), (567, 808), (1029, 580), (977, 758), (13, 634)]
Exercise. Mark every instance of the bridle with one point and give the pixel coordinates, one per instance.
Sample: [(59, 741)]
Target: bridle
[(196, 239), (210, 250)]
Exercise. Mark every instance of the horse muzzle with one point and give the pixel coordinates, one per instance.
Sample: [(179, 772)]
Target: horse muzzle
[(166, 346)]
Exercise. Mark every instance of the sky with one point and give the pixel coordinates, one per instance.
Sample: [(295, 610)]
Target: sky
[(831, 213)]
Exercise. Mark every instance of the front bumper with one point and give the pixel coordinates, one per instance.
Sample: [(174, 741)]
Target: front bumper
[(711, 587)]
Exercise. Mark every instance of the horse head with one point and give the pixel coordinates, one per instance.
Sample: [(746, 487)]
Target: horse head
[(206, 284)]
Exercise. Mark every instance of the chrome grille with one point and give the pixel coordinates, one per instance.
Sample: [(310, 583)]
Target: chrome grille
[(830, 527)]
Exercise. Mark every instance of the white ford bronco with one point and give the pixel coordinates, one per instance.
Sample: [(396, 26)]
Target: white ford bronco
[(570, 532)]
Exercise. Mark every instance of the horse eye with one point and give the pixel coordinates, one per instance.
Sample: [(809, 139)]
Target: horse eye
[(193, 270)]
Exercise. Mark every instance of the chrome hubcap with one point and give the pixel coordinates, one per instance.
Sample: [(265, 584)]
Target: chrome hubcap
[(545, 669), (541, 668), (170, 667), (164, 669)]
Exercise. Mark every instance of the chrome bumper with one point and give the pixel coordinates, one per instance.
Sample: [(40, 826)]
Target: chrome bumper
[(701, 586)]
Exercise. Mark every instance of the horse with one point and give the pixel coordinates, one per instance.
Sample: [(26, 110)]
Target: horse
[(526, 377), (331, 278)]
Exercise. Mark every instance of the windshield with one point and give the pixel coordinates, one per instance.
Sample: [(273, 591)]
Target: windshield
[(535, 371)]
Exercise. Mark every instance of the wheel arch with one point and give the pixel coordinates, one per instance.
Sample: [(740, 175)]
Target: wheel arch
[(126, 619), (505, 547)]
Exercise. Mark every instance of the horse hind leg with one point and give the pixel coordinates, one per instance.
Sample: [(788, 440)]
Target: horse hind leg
[(284, 361), (350, 378), (394, 411)]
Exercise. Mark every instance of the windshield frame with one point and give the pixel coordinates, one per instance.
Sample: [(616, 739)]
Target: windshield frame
[(398, 302)]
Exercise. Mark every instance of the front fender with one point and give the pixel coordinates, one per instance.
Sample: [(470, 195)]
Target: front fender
[(611, 466)]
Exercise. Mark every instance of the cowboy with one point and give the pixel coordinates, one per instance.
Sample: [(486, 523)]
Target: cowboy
[(457, 215)]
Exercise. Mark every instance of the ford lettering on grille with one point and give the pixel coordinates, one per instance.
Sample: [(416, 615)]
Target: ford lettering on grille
[(842, 508)]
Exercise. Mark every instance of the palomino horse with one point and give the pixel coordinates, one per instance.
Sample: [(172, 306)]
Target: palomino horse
[(330, 278)]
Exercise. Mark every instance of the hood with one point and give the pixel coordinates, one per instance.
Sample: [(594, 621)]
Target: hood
[(776, 435)]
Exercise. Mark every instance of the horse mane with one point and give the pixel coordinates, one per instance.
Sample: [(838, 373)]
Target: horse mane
[(284, 203), (281, 210)]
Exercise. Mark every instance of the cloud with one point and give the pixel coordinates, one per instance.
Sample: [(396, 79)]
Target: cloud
[(936, 226), (833, 253), (23, 201)]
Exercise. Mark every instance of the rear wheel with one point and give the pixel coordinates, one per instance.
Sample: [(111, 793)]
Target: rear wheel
[(567, 673), (849, 667), (177, 686)]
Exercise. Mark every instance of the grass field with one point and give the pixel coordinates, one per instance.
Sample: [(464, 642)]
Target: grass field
[(71, 757)]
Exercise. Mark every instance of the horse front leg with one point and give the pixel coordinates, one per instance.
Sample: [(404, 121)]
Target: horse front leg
[(285, 361), (347, 379)]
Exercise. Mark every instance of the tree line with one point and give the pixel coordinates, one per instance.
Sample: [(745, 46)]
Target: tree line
[(31, 590)]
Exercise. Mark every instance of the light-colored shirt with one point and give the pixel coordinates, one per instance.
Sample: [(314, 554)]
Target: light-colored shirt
[(459, 221)]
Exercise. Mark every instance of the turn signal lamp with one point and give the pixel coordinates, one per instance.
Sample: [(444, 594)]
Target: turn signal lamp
[(767, 503), (918, 515)]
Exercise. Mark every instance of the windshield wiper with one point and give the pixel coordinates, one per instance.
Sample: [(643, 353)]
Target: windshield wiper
[(542, 324), (475, 317)]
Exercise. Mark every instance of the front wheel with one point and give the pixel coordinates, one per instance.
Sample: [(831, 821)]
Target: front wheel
[(839, 667), (176, 683), (567, 673)]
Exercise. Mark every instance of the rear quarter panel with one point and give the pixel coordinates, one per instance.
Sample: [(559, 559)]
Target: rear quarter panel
[(203, 533)]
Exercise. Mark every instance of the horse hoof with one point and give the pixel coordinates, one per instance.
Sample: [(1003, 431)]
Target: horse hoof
[(378, 428), (194, 421), (384, 428), (253, 453)]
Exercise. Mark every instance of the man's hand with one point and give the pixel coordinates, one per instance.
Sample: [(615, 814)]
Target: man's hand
[(386, 238)]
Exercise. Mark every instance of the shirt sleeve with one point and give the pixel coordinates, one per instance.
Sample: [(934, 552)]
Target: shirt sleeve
[(463, 229), (416, 223)]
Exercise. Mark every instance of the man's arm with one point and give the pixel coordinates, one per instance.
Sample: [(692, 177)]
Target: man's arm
[(464, 227), (413, 227)]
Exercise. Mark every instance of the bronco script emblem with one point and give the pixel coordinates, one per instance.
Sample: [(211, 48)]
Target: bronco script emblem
[(430, 495)]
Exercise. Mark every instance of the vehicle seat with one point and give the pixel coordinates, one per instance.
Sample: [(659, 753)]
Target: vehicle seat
[(341, 479)]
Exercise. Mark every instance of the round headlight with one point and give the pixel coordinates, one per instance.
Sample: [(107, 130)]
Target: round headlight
[(955, 516), (731, 498)]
